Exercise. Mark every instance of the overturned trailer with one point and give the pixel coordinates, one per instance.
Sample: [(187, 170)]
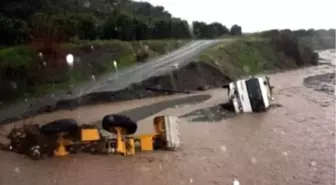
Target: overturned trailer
[(115, 135), (252, 94)]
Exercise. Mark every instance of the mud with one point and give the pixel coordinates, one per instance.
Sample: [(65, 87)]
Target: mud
[(140, 113), (216, 113), (322, 83), (210, 114), (292, 144)]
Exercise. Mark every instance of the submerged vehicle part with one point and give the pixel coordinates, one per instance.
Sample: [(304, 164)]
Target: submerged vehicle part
[(65, 136), (253, 94)]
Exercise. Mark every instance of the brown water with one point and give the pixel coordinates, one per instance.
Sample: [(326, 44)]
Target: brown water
[(293, 144)]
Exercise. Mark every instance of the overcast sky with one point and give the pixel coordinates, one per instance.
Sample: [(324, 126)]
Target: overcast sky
[(255, 15)]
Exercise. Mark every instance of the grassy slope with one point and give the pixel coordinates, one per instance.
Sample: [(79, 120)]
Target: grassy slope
[(101, 57), (246, 56)]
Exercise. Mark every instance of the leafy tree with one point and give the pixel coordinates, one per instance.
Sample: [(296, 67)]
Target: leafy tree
[(213, 30), (13, 31), (110, 19), (236, 30)]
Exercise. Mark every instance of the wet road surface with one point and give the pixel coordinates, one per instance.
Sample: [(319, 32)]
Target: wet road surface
[(291, 144)]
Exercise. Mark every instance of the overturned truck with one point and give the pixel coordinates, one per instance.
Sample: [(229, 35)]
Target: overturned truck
[(115, 135), (252, 94)]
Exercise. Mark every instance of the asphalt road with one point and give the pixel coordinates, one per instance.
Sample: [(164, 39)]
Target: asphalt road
[(114, 81), (160, 65)]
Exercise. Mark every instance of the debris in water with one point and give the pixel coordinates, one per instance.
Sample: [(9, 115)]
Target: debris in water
[(313, 163), (17, 170), (285, 154), (44, 64), (160, 166), (236, 182), (40, 54), (325, 104), (253, 160), (210, 114), (223, 148), (93, 77)]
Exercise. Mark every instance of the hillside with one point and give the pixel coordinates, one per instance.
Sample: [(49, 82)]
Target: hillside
[(315, 39), (251, 56), (25, 74), (97, 32), (226, 61), (24, 21)]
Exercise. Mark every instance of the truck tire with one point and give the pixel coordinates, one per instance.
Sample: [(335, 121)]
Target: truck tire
[(59, 126), (115, 120)]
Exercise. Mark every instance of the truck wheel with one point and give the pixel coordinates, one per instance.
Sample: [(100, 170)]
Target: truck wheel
[(124, 122), (59, 126)]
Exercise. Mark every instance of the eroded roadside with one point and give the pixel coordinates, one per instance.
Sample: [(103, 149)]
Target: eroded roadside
[(292, 144)]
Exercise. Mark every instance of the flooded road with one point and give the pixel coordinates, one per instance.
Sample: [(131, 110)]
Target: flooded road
[(290, 144)]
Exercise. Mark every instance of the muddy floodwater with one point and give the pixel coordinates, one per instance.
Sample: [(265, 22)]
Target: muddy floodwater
[(291, 144)]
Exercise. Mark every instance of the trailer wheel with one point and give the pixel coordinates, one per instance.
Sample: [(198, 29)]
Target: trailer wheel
[(59, 126), (115, 120)]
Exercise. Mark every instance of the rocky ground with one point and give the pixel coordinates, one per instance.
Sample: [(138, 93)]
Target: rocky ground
[(291, 144)]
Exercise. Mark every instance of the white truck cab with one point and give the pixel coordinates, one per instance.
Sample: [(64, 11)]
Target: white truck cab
[(253, 94)]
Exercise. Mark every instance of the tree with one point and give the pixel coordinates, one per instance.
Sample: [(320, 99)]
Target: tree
[(236, 30), (13, 31)]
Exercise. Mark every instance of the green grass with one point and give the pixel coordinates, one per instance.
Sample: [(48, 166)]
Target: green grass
[(20, 56), (244, 56)]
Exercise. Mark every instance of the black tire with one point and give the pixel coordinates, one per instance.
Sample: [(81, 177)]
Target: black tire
[(115, 120), (59, 126)]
